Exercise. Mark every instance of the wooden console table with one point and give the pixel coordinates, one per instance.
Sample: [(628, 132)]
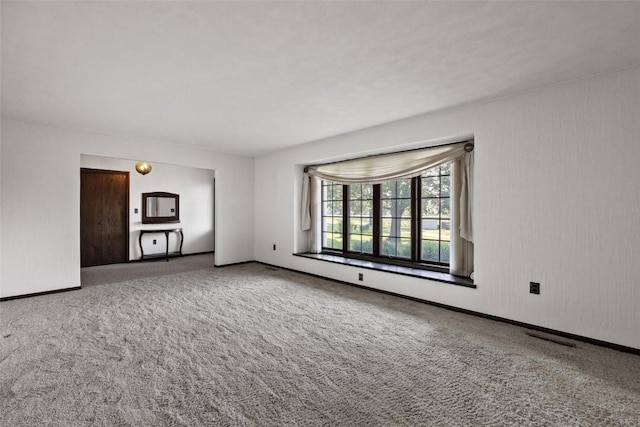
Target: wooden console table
[(166, 236)]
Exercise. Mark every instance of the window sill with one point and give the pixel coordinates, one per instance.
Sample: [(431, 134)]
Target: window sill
[(395, 269)]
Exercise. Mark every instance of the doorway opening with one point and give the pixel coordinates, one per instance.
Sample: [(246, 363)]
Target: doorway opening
[(196, 189)]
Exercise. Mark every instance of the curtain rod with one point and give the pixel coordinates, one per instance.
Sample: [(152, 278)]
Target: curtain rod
[(469, 146)]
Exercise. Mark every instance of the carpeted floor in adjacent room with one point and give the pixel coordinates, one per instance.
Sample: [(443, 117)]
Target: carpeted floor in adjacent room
[(247, 345)]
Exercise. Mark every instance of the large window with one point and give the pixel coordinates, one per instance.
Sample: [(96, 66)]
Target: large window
[(406, 220)]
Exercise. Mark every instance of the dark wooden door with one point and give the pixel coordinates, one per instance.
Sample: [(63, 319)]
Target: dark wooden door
[(104, 217)]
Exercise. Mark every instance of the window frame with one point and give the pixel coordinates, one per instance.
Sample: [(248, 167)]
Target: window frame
[(415, 259)]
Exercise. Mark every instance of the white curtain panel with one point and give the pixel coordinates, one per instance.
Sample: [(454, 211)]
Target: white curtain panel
[(305, 211), (387, 167), (315, 208), (466, 197), (310, 211), (461, 249)]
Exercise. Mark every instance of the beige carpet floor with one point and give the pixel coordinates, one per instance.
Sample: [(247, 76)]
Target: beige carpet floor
[(246, 345), (115, 273)]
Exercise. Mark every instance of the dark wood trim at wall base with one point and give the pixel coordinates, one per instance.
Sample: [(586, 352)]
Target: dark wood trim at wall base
[(235, 263), (161, 256), (581, 338), (36, 294), (200, 253)]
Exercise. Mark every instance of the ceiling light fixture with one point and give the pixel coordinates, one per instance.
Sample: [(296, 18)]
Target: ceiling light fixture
[(143, 168)]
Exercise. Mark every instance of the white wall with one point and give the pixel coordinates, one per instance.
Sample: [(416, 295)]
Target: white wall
[(41, 200), (195, 187), (0, 205), (557, 200)]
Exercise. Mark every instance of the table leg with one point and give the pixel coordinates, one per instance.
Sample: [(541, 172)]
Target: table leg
[(166, 253), (140, 243)]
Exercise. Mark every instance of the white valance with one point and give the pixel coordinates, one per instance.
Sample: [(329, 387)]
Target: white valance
[(386, 167)]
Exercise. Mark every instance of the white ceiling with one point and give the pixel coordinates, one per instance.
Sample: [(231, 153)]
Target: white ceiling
[(252, 77)]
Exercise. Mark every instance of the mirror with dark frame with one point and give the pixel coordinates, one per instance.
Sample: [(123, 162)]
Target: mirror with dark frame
[(160, 207)]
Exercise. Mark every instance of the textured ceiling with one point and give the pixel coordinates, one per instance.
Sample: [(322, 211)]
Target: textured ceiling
[(252, 77)]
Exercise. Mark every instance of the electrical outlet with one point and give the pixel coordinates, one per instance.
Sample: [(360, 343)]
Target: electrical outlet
[(274, 246), (534, 288), (155, 241), (360, 277), (135, 210)]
